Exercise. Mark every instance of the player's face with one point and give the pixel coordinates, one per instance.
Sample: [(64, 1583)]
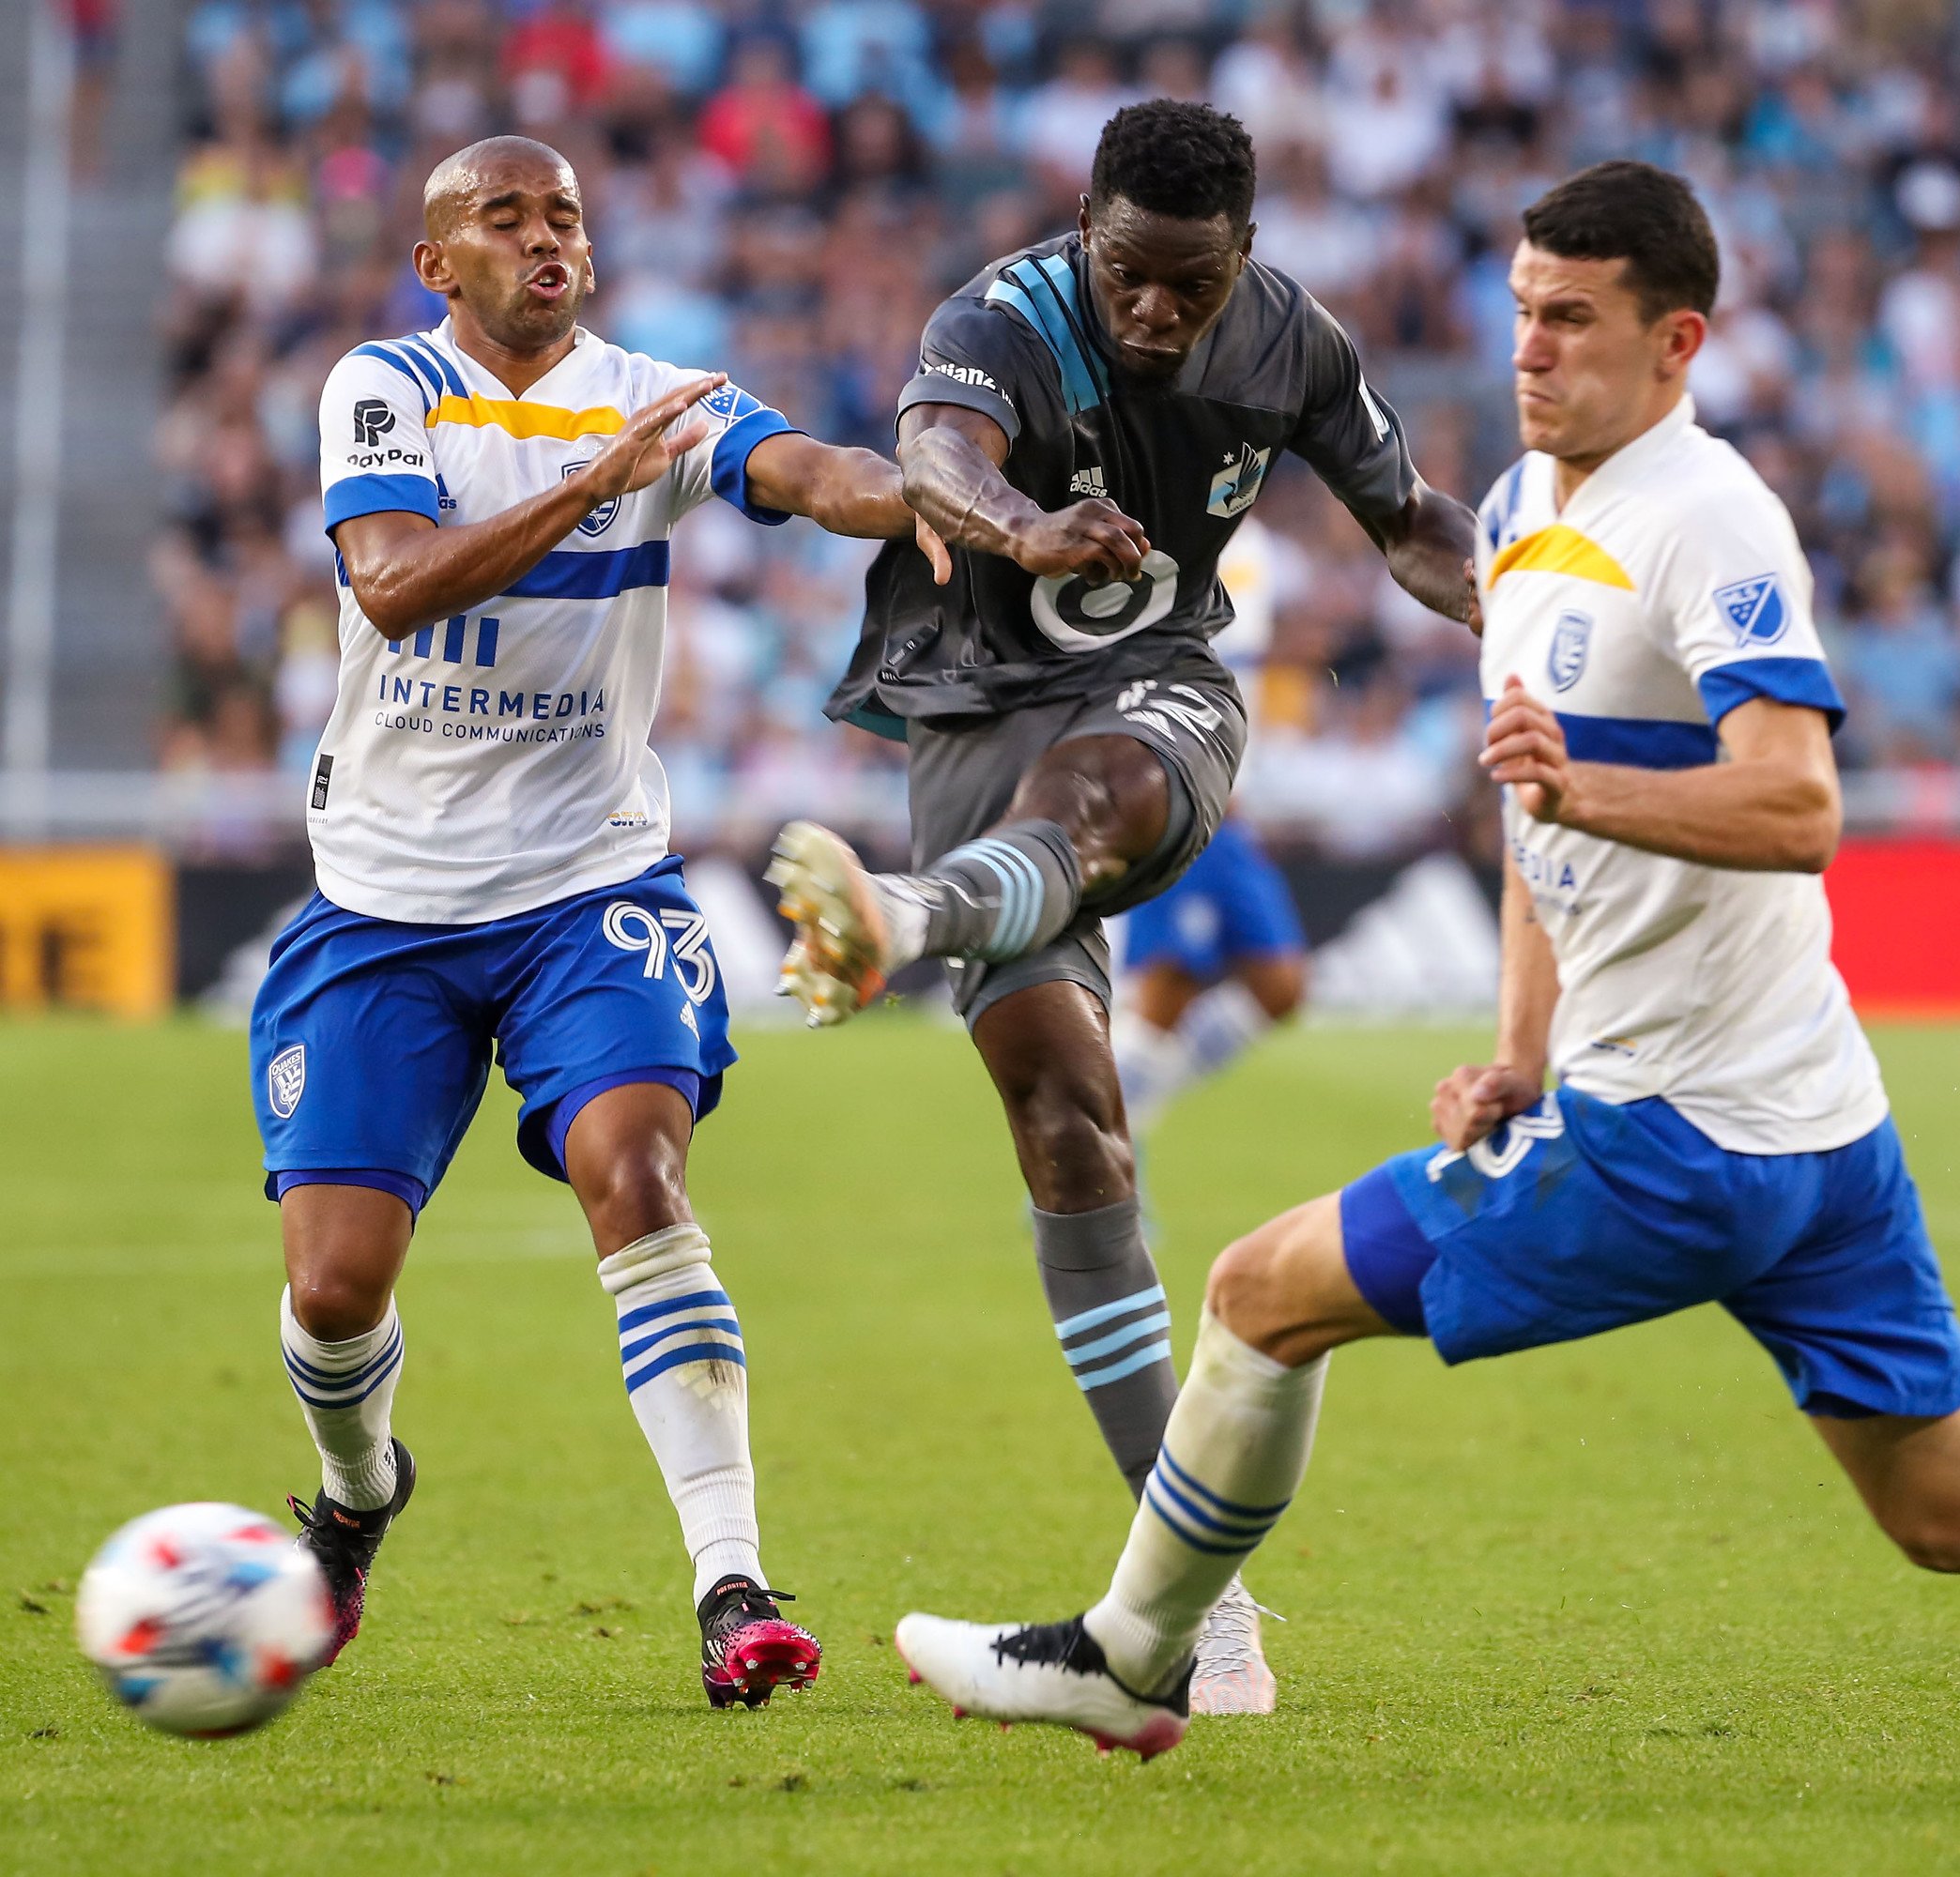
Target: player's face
[(1589, 367), (1159, 282), (516, 253)]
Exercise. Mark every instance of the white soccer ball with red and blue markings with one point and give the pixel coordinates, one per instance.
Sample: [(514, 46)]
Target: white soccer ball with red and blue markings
[(203, 1619)]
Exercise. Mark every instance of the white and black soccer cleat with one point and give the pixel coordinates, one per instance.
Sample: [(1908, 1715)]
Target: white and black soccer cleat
[(1054, 1672)]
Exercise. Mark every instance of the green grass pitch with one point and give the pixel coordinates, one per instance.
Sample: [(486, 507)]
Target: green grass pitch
[(1605, 1608)]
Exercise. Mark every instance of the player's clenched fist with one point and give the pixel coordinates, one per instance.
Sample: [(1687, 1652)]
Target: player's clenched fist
[(1093, 538), (651, 442), (1524, 745), (1471, 1102)]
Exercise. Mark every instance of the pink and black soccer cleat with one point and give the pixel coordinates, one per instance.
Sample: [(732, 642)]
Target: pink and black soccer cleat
[(344, 1541), (749, 1649)]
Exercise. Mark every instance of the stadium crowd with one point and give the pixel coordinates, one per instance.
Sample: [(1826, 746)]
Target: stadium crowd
[(786, 190)]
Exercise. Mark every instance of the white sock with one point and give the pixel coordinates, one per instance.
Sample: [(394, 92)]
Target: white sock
[(1233, 1457), (687, 1379), (345, 1392), (1152, 1065), (1221, 1026)]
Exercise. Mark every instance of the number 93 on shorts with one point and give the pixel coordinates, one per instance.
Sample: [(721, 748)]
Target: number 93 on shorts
[(372, 1040)]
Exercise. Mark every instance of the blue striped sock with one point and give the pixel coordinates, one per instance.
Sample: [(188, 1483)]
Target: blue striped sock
[(686, 1375), (1231, 1461)]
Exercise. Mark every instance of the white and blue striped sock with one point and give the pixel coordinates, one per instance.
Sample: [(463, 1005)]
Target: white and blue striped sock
[(347, 1391), (1002, 896), (686, 1377), (1233, 1457)]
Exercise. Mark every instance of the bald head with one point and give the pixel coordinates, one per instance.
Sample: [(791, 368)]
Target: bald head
[(489, 167)]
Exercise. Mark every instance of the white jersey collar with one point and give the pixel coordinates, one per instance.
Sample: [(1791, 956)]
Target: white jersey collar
[(1635, 459)]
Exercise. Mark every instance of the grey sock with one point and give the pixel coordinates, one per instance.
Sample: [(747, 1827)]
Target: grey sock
[(1116, 1326), (1003, 895)]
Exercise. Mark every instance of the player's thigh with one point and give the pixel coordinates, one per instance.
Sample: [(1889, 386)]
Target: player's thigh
[(1855, 1312), (611, 989), (1192, 721), (1907, 1470), (625, 1155), (1286, 1289), (370, 1050)]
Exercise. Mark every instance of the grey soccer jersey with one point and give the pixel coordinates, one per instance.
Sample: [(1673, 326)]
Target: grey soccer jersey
[(1022, 343)]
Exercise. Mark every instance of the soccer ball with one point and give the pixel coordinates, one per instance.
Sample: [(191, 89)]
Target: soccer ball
[(203, 1619)]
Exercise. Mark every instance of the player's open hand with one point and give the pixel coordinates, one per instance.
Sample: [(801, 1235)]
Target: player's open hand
[(653, 440), (1524, 745), (1471, 1102), (1093, 538)]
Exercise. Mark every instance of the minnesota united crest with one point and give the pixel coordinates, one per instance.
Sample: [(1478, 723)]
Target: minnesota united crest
[(1569, 643)]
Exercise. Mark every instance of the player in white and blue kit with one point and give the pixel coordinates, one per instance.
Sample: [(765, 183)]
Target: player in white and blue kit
[(1661, 716), (490, 834)]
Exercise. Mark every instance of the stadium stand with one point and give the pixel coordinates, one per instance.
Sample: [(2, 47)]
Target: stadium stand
[(786, 191)]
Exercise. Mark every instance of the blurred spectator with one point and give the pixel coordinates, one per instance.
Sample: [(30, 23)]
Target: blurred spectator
[(788, 190)]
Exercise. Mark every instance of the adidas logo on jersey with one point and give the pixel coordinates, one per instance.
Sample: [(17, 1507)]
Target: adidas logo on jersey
[(1087, 481)]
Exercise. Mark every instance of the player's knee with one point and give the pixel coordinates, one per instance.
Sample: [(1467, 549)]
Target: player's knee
[(1279, 984), (634, 1193), (1928, 1535), (1073, 1149), (334, 1303), (1268, 1287)]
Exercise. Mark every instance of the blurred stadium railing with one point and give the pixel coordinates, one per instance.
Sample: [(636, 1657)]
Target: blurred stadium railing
[(786, 190)]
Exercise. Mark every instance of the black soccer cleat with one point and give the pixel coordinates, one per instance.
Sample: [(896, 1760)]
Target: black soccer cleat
[(749, 1649), (344, 1541)]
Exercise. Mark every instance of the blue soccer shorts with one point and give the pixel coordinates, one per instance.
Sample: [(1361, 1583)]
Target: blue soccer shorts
[(372, 1040), (1581, 1215), (1232, 903)]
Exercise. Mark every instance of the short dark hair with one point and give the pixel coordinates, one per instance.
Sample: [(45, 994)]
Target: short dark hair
[(1648, 216), (1174, 158)]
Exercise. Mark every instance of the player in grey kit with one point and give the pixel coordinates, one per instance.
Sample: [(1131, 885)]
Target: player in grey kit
[(1090, 420)]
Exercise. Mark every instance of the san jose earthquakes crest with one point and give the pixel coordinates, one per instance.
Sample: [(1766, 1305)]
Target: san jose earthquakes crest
[(285, 1080), (1755, 609), (602, 517), (1569, 641)]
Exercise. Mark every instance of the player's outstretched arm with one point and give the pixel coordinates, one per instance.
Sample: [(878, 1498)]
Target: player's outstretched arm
[(1430, 543), (1772, 807), (406, 571), (951, 458), (1472, 1100), (854, 491)]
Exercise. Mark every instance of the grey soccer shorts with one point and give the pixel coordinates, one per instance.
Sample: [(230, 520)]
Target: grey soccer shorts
[(963, 775)]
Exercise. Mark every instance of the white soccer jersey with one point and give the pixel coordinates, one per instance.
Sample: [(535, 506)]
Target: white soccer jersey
[(1669, 589), (498, 760)]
